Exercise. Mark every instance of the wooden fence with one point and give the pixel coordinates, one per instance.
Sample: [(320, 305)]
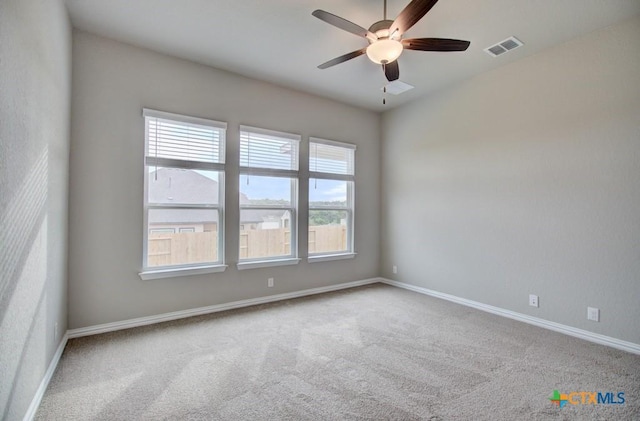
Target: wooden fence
[(166, 249), (327, 238), (182, 248), (265, 243)]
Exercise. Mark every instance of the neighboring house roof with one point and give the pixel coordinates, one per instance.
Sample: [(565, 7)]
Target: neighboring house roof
[(183, 186), (180, 186)]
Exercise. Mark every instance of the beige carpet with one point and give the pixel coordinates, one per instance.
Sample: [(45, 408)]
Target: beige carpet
[(370, 353)]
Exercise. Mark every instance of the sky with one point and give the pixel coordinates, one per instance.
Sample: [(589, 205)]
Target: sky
[(279, 188)]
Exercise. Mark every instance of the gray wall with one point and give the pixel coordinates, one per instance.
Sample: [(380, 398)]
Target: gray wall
[(525, 180), (35, 84), (112, 82)]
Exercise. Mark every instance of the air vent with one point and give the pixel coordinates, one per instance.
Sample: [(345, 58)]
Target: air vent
[(502, 47), (397, 87)]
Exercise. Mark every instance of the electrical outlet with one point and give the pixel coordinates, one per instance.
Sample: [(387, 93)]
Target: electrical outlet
[(394, 269), (593, 314), (270, 282), (533, 300)]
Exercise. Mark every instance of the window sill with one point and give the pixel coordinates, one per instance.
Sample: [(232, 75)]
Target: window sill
[(173, 273), (267, 263), (329, 257)]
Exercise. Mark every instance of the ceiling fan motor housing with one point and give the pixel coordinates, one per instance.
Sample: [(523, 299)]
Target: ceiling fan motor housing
[(381, 29)]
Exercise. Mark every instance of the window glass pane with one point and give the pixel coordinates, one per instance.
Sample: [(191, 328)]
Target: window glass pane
[(328, 231), (331, 159), (180, 186), (260, 190), (265, 233), (330, 193), (182, 236), (186, 141), (266, 151)]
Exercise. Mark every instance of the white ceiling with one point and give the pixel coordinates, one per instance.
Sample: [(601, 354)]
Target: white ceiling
[(279, 41)]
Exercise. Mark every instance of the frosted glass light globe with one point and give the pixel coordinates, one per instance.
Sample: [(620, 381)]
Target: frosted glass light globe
[(384, 51)]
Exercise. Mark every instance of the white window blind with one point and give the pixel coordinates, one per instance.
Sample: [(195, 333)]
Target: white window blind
[(184, 138), (260, 148), (331, 157)]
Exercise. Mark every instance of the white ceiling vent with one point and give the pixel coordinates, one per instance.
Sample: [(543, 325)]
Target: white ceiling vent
[(397, 87), (502, 47)]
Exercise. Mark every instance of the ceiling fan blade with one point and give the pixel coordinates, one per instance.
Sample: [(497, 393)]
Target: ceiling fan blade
[(435, 44), (411, 14), (343, 24), (391, 71), (343, 58)]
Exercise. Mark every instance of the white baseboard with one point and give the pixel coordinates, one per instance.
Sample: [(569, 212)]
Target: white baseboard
[(142, 321), (557, 327), (35, 402)]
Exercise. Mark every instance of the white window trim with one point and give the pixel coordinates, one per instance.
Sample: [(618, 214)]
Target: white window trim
[(328, 176), (326, 257), (268, 132), (147, 112), (350, 253), (159, 272), (184, 271), (332, 143), (256, 264)]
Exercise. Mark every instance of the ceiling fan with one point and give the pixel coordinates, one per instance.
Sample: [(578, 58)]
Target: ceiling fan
[(385, 37)]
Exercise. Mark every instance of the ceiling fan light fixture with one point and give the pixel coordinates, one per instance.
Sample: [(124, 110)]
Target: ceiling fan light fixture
[(384, 51)]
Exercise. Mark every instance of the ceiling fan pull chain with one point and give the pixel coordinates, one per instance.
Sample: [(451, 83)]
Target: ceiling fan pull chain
[(384, 88)]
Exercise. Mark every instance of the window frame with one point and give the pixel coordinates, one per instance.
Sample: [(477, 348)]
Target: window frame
[(349, 208), (166, 271), (293, 175)]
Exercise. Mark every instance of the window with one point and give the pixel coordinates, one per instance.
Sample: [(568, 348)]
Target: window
[(162, 230), (268, 197), (184, 195), (331, 198)]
